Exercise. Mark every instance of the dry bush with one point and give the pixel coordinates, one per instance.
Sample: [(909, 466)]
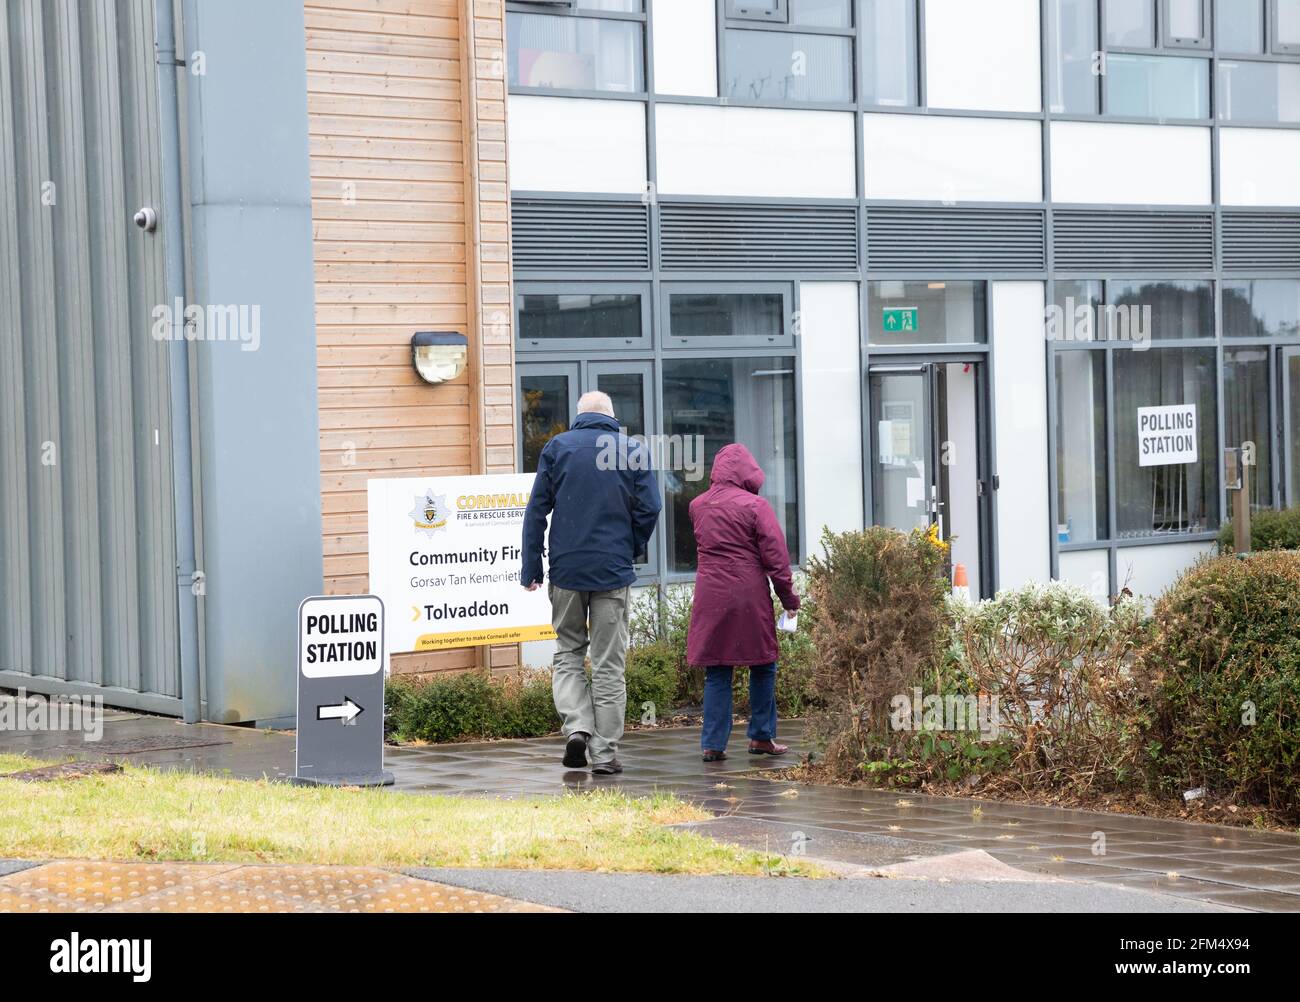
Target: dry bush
[(878, 623)]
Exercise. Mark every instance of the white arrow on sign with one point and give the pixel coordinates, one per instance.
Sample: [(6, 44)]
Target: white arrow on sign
[(346, 711)]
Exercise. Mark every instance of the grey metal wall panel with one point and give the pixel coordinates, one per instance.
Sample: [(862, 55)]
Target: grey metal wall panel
[(1103, 241), (581, 234), (1261, 241), (87, 549), (917, 238), (698, 236)]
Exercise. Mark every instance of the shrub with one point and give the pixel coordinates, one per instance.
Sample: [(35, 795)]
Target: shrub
[(1269, 530), (1223, 664), (1057, 666), (878, 624), (651, 678), (468, 706)]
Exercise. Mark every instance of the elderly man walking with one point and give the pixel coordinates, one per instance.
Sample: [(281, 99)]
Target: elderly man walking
[(598, 487)]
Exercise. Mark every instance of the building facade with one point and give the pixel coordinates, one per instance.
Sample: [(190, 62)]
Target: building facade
[(895, 247), (1020, 269)]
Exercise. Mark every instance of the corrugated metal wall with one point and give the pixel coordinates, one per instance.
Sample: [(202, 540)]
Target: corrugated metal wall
[(87, 548)]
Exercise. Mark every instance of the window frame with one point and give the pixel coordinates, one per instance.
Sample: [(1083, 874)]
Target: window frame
[(574, 8), (530, 347), (1169, 41), (725, 20), (737, 10), (1271, 43), (673, 342)]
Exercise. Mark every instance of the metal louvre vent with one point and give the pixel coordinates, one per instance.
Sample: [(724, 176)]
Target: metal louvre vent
[(709, 237), (576, 234), (955, 239), (1261, 241), (1094, 240)]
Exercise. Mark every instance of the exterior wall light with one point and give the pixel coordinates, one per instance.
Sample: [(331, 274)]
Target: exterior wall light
[(439, 356)]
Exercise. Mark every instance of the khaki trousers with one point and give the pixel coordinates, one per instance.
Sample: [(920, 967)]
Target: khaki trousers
[(595, 623)]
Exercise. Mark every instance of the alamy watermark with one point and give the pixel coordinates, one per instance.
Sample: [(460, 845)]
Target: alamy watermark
[(668, 453), (83, 714), (177, 321), (916, 711), (1086, 322)]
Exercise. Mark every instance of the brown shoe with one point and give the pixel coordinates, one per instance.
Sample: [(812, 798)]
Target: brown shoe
[(767, 748), (714, 756)]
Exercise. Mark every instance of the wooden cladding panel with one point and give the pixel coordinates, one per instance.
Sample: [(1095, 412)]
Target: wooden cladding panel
[(410, 207)]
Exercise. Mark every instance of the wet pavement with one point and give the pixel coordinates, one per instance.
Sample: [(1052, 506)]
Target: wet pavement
[(1236, 867), (86, 886)]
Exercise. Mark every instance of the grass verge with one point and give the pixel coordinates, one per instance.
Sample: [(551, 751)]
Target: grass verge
[(143, 814)]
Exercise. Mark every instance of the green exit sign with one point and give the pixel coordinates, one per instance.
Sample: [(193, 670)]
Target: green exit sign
[(901, 318)]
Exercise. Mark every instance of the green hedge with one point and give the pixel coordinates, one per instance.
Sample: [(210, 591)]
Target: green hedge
[(1223, 667), (469, 706), (1269, 530)]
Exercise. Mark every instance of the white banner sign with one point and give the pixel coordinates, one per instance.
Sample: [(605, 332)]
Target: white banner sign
[(1167, 435), (445, 556)]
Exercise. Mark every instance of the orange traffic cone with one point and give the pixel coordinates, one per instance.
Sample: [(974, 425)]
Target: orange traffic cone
[(960, 586)]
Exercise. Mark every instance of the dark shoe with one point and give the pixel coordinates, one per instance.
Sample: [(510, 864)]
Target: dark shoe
[(575, 751), (607, 768), (767, 748), (714, 756)]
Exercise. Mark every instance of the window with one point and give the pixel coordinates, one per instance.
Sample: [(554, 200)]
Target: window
[(889, 52), (1145, 66), (594, 316), (1157, 86), (1073, 68), (1259, 92), (1125, 401), (1239, 26), (1262, 307), (1082, 513), (1160, 310), (715, 401), (560, 51), (1246, 421), (756, 315), (1186, 24), (1174, 497), (905, 312), (545, 399), (783, 66), (1286, 26), (1131, 24), (766, 58)]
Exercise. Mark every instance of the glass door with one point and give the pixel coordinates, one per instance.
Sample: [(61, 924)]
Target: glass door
[(929, 453), (548, 404), (629, 388)]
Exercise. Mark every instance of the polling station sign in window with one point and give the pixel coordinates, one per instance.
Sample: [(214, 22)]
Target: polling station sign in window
[(1167, 435), (445, 557)]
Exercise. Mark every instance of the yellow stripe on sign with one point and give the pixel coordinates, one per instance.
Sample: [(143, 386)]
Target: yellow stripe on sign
[(477, 638)]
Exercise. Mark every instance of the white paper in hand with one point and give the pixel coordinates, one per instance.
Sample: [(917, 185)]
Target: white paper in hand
[(789, 622)]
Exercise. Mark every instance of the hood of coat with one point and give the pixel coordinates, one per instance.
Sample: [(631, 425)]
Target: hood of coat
[(736, 466)]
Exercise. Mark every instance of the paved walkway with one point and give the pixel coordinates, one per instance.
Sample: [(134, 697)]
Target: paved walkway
[(215, 887), (1240, 868)]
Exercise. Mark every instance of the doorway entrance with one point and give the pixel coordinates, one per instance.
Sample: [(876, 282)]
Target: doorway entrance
[(930, 456)]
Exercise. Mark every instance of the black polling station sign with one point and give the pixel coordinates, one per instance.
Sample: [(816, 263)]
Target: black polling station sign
[(341, 692)]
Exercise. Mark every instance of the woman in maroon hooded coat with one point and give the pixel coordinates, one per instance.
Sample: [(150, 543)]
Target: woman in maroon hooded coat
[(741, 546)]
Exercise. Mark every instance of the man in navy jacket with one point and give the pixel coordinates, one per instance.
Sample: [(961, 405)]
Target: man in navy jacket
[(600, 492)]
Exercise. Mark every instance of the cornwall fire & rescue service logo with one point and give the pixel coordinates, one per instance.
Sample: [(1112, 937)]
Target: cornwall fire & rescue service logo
[(430, 513)]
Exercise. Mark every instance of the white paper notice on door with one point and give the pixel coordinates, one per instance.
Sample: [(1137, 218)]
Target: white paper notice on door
[(1167, 435)]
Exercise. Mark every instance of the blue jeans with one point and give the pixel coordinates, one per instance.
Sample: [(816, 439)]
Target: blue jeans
[(717, 706)]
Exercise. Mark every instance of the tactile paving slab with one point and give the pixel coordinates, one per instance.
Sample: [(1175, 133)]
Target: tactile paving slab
[(206, 887)]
